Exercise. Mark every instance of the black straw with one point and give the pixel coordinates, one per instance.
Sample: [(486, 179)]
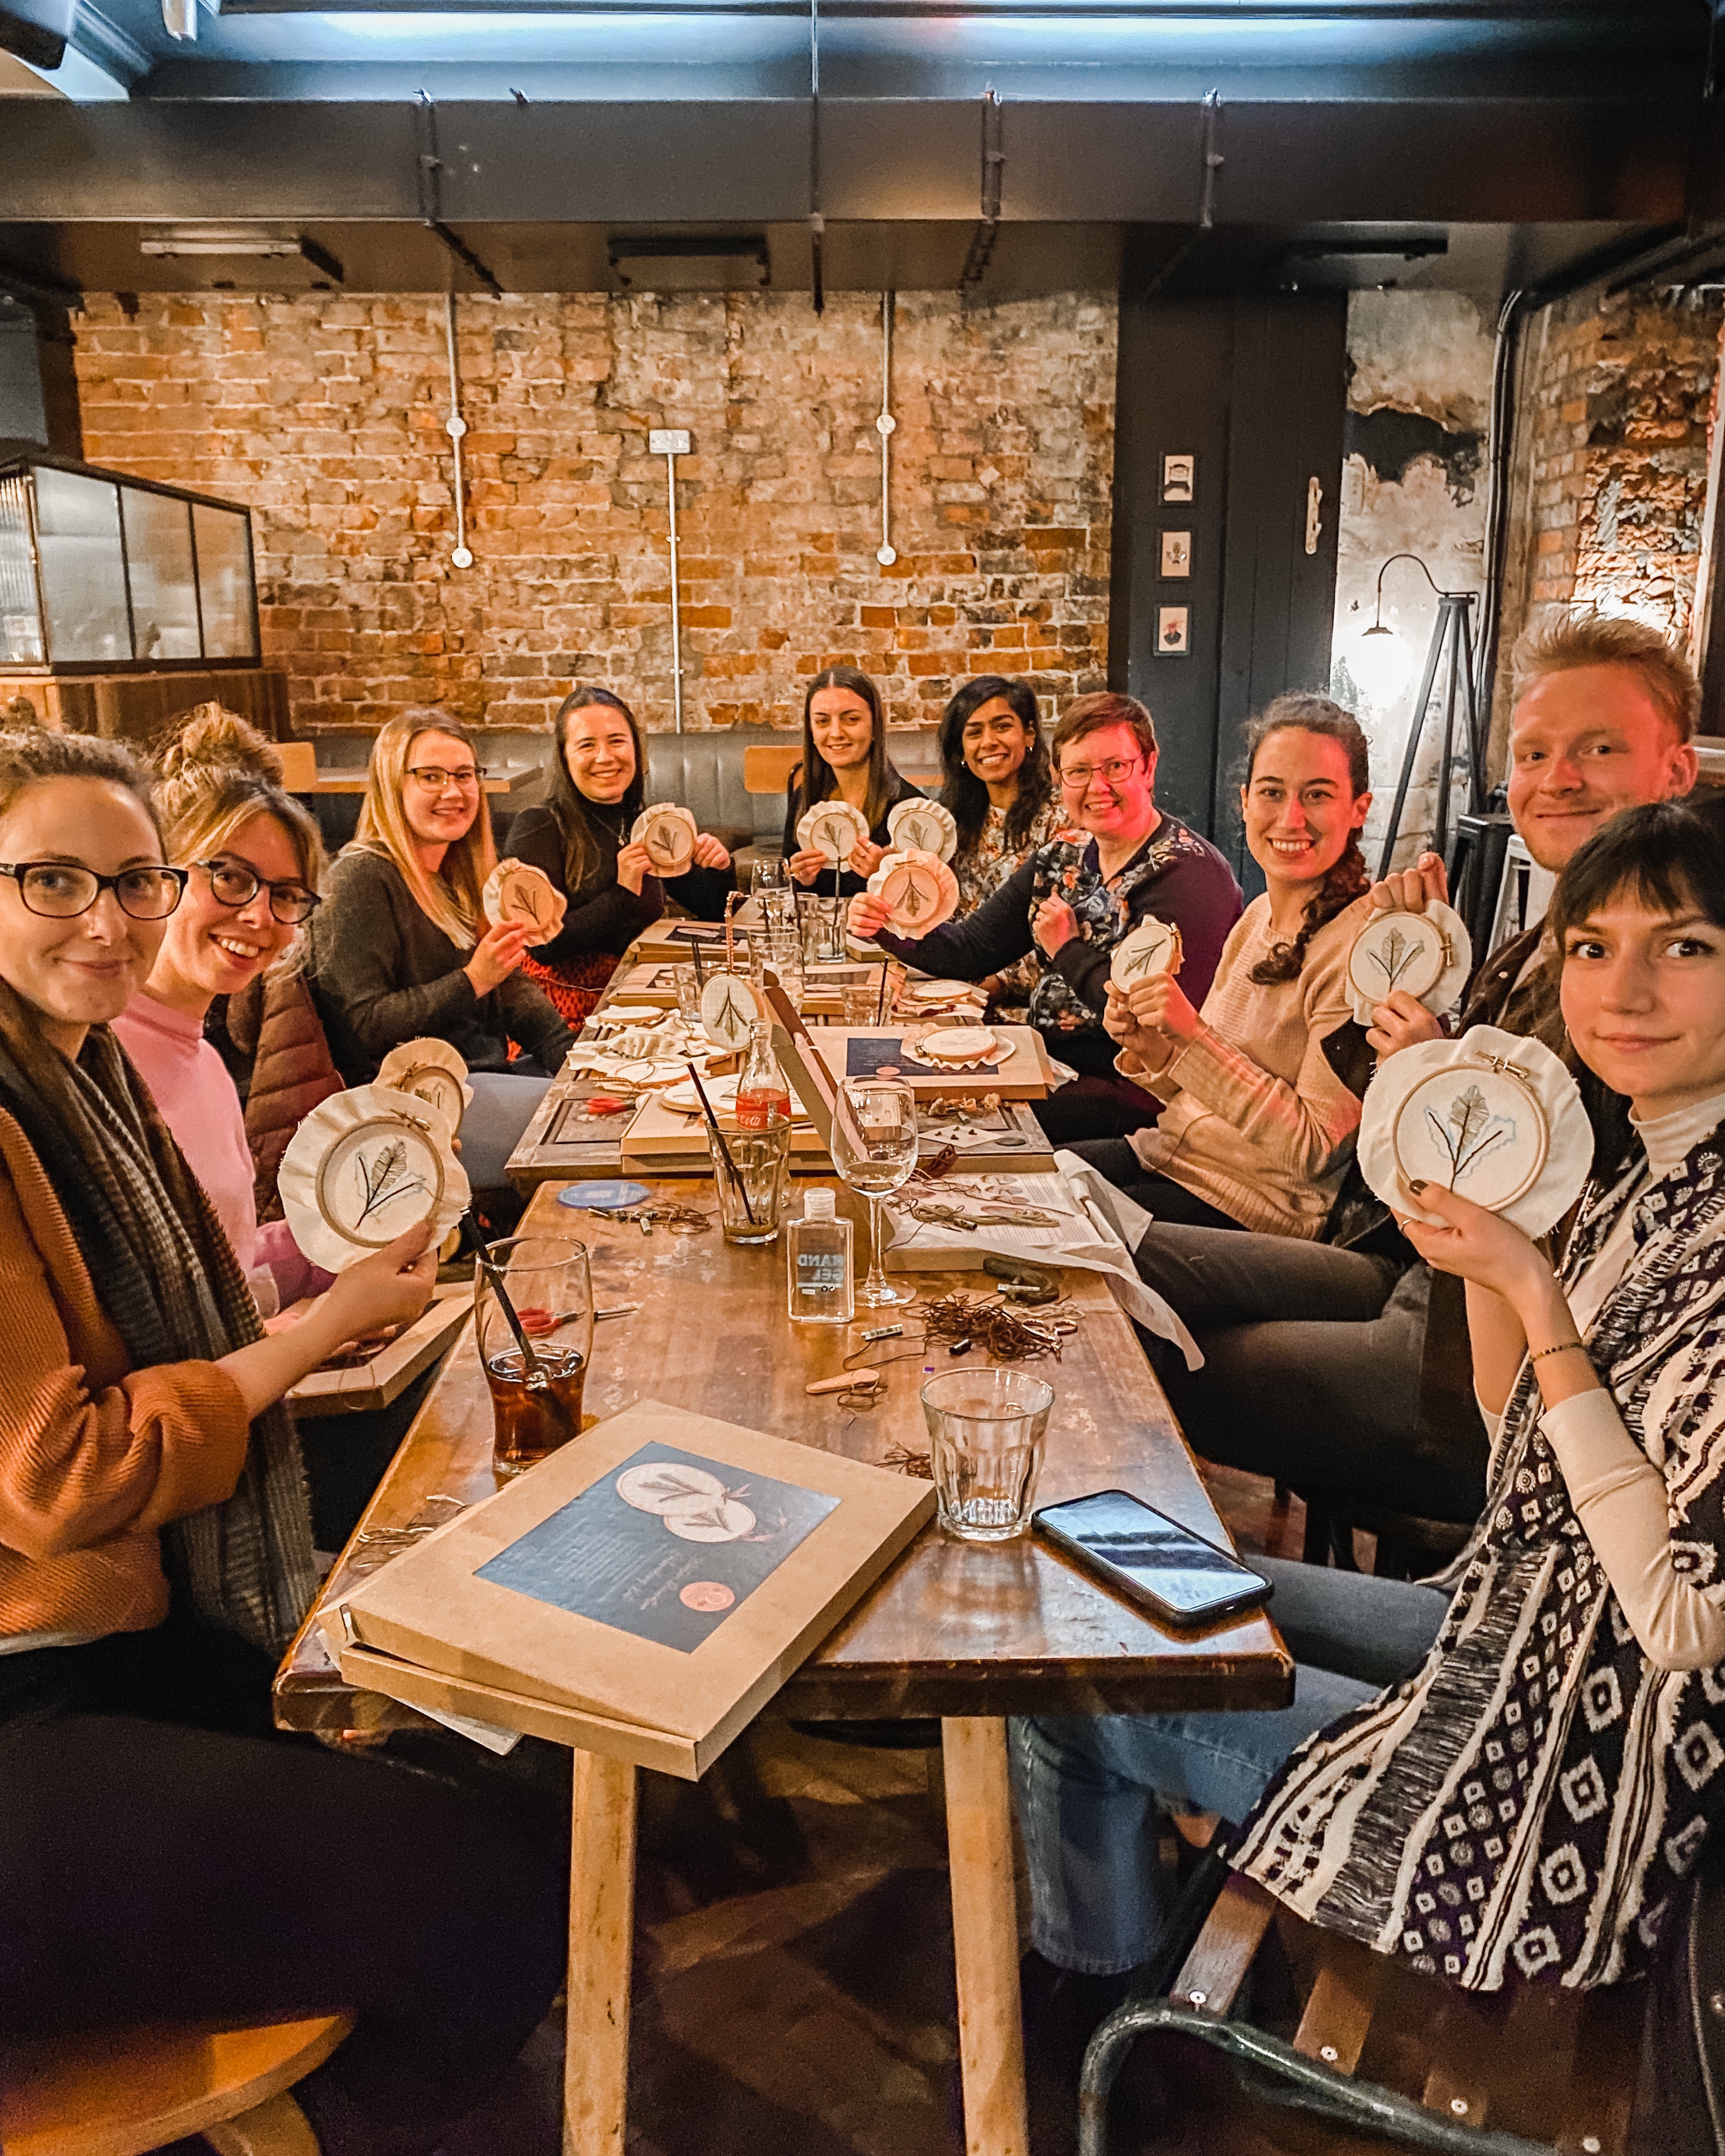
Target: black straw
[(718, 1137), (494, 1273)]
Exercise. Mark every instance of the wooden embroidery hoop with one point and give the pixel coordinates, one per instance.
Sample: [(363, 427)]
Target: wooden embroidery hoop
[(1434, 977), (495, 900), (649, 829), (721, 989), (907, 814), (418, 1065), (813, 821), (327, 1142), (1439, 1083), (1161, 938), (900, 871)]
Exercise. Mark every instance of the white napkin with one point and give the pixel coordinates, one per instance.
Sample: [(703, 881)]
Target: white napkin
[(1117, 1219)]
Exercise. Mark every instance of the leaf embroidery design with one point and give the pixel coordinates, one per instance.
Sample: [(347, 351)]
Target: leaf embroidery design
[(1148, 960), (522, 901), (730, 1018), (1393, 957), (380, 1183), (1470, 1133)]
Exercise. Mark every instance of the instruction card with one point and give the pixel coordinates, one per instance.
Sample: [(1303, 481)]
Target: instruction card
[(665, 1546)]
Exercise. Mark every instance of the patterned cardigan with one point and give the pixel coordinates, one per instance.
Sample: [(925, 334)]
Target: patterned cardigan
[(1526, 1803)]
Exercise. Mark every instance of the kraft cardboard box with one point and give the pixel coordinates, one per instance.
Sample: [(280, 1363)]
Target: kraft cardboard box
[(644, 1591)]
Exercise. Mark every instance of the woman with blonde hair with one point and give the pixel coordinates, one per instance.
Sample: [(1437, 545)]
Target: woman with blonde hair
[(254, 860), (400, 946)]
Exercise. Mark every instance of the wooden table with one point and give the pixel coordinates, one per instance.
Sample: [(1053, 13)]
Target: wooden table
[(966, 1633)]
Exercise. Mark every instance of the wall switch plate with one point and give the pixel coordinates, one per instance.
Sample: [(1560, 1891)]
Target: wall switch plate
[(1172, 638), (668, 442)]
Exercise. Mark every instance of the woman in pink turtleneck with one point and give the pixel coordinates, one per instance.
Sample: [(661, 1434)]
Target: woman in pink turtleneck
[(255, 858)]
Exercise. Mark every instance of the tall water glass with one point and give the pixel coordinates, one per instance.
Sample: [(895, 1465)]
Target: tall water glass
[(689, 987), (875, 1152), (986, 1428), (536, 1392)]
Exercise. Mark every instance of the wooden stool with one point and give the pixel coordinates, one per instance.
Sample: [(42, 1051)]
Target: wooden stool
[(124, 2092), (1560, 2063)]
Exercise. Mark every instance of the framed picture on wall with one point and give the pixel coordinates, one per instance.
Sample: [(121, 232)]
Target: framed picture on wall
[(1172, 638), (1179, 475), (1177, 553)]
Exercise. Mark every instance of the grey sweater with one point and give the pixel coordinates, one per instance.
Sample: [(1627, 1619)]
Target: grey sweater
[(382, 971)]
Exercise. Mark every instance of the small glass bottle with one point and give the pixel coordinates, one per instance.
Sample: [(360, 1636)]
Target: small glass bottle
[(763, 1095), (817, 1255)]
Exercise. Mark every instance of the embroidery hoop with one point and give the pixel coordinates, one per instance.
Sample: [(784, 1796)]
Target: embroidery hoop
[(924, 877), (652, 826), (730, 1010), (821, 827), (1416, 1092), (1158, 943), (431, 1071), (329, 1140), (1434, 976), (907, 817), (511, 875)]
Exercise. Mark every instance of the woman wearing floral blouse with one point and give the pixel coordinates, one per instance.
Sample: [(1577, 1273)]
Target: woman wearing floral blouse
[(1000, 788), (1526, 1794)]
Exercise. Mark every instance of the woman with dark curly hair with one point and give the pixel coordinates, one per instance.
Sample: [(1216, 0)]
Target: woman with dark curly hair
[(1000, 786), (1257, 1128)]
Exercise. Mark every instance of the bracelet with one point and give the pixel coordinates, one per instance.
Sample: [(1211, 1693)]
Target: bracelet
[(1563, 1348)]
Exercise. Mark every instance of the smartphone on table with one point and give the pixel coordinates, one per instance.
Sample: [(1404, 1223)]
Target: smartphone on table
[(1152, 1560)]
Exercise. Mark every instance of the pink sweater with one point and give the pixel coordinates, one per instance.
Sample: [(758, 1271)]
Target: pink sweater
[(199, 1105)]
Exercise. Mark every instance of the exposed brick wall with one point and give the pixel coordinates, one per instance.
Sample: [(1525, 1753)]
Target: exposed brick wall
[(325, 414), (1616, 397)]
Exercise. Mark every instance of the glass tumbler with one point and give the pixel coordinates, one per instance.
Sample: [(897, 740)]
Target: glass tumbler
[(986, 1428), (749, 1174), (536, 1388), (689, 985)]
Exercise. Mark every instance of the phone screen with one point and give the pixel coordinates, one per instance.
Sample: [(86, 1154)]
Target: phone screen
[(1153, 1557)]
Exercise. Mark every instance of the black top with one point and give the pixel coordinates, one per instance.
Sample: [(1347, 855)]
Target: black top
[(842, 882), (1175, 874), (603, 916), (382, 971)]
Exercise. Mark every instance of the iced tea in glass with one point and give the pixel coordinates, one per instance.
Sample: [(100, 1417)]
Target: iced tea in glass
[(536, 1391)]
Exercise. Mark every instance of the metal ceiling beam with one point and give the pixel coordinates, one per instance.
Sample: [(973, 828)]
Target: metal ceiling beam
[(1515, 161)]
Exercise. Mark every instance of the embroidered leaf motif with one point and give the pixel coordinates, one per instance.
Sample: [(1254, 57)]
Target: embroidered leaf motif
[(1394, 956), (1470, 1132), (380, 1179), (1148, 960)]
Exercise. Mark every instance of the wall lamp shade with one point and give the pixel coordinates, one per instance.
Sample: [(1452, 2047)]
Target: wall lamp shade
[(1381, 663), (37, 30)]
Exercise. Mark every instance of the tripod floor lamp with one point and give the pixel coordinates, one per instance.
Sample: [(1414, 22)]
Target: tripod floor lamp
[(1452, 648)]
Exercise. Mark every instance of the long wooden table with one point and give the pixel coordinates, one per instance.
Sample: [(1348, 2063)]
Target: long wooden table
[(970, 1633)]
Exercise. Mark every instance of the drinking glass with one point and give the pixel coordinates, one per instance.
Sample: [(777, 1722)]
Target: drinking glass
[(823, 927), (536, 1392), (862, 1004), (689, 986), (875, 1152), (784, 955), (749, 1174), (986, 1428), (767, 875)]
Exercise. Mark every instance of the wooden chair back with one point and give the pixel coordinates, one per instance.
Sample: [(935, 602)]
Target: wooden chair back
[(122, 2092)]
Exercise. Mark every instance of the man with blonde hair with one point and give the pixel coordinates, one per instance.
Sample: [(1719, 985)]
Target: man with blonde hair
[(1369, 1370)]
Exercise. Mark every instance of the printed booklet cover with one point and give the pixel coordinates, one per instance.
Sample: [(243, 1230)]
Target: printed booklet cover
[(666, 1572)]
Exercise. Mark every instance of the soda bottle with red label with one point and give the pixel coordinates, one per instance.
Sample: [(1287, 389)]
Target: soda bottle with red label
[(763, 1095)]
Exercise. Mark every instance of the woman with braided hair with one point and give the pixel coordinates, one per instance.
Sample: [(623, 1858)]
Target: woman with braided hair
[(1257, 1129), (164, 1854)]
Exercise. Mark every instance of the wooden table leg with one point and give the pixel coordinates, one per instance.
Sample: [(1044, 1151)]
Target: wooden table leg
[(601, 1905), (985, 1937)]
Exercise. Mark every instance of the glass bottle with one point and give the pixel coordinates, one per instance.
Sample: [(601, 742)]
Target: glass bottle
[(819, 1260), (763, 1095)]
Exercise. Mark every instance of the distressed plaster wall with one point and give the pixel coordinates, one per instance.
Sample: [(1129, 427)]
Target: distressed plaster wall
[(1414, 481), (324, 413)]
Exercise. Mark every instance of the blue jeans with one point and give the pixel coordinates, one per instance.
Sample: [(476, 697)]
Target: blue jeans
[(1089, 1787), (501, 1108)]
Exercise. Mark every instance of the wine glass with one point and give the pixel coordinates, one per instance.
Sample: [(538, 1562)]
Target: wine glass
[(875, 1152)]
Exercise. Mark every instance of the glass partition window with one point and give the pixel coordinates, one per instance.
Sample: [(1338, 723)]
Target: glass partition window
[(20, 620), (83, 569), (162, 575), (224, 583)]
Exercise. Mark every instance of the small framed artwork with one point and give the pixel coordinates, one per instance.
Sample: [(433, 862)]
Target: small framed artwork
[(1177, 553), (1177, 477), (1171, 639)]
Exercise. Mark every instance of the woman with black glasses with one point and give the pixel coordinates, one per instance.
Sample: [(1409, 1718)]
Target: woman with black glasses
[(253, 859), (164, 1854)]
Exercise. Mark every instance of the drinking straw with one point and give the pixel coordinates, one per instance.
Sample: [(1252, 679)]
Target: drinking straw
[(880, 1000), (531, 1365), (718, 1138), (700, 970)]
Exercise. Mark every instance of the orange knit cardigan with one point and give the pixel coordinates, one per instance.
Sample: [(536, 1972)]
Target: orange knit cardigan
[(95, 1456)]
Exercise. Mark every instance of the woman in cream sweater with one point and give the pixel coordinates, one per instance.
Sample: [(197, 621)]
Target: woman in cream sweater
[(1257, 1129)]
